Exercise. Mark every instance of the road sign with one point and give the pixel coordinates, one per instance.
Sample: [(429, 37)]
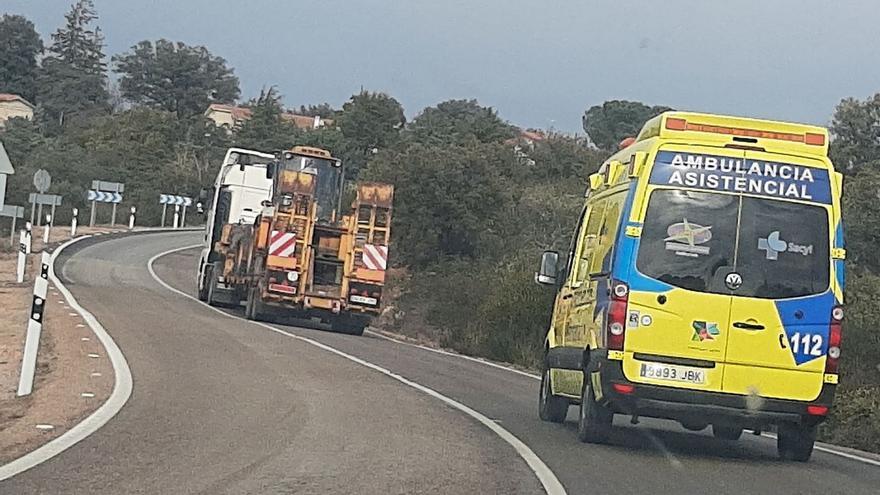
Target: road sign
[(15, 212), (45, 199), (105, 192), (103, 185), (42, 180), (171, 199), (38, 200), (104, 197)]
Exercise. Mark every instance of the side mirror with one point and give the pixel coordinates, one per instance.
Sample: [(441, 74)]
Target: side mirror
[(270, 169), (548, 271)]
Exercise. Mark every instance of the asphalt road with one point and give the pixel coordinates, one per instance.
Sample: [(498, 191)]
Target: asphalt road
[(223, 406)]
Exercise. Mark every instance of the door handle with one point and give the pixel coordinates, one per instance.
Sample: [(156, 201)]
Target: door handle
[(747, 326)]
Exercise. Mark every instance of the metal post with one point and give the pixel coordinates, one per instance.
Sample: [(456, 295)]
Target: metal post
[(12, 233), (39, 213), (28, 233), (33, 208), (22, 256), (176, 215), (73, 223), (52, 214), (113, 216), (92, 217), (164, 208), (131, 218), (34, 328), (183, 217), (46, 230)]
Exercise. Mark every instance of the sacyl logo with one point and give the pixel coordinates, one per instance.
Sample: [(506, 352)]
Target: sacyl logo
[(773, 245)]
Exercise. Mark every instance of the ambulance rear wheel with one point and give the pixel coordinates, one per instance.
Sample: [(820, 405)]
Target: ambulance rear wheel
[(551, 408), (594, 419), (795, 442)]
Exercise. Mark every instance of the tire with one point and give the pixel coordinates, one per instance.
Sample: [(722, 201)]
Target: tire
[(349, 326), (211, 285), (594, 420), (795, 442), (203, 291), (726, 432), (253, 309), (551, 408)]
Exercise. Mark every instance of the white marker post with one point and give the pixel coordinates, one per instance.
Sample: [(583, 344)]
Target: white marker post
[(47, 228), (131, 218), (176, 215), (35, 327), (22, 257), (73, 223), (27, 228)]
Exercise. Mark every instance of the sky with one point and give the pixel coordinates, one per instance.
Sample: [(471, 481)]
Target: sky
[(540, 63)]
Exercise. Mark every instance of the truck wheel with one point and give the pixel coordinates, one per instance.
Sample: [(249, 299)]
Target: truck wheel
[(211, 285), (795, 442), (551, 407), (349, 326), (252, 309), (594, 420), (726, 432), (203, 290)]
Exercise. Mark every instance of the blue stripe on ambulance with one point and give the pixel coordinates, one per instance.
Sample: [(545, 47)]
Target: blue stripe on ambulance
[(807, 319), (626, 248)]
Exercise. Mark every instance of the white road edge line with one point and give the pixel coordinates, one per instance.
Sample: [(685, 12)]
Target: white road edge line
[(551, 484), (118, 397), (453, 354)]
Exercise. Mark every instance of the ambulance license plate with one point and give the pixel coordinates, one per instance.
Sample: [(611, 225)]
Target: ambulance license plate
[(671, 372)]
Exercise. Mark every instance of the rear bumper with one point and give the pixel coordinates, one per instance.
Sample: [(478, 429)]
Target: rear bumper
[(700, 407)]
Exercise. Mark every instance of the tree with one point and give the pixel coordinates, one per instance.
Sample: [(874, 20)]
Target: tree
[(266, 130), (323, 110), (20, 45), (369, 122), (447, 198), (613, 121), (73, 80), (175, 77), (856, 131), (459, 122)]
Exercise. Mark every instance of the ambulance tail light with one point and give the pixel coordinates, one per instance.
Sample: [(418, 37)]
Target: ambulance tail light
[(616, 320), (833, 359)]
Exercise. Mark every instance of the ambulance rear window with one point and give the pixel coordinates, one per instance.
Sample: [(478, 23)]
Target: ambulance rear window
[(693, 240), (687, 236)]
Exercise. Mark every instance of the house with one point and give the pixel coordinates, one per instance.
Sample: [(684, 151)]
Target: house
[(5, 169), (231, 116), (14, 106)]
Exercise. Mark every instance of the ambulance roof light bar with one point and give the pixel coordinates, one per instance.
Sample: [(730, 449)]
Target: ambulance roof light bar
[(679, 124)]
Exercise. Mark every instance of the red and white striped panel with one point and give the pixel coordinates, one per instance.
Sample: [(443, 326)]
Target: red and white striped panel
[(375, 257), (282, 244)]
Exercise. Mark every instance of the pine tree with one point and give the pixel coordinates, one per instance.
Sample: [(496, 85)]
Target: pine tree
[(73, 83)]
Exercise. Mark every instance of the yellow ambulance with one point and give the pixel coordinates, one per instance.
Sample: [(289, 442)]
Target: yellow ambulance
[(704, 284)]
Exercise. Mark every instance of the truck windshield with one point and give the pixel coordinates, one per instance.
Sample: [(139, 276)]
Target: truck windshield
[(328, 191), (694, 239)]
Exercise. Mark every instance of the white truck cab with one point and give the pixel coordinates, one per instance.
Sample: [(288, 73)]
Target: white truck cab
[(239, 191)]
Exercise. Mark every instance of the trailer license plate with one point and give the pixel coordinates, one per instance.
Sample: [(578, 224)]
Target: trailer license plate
[(371, 301), (673, 373)]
